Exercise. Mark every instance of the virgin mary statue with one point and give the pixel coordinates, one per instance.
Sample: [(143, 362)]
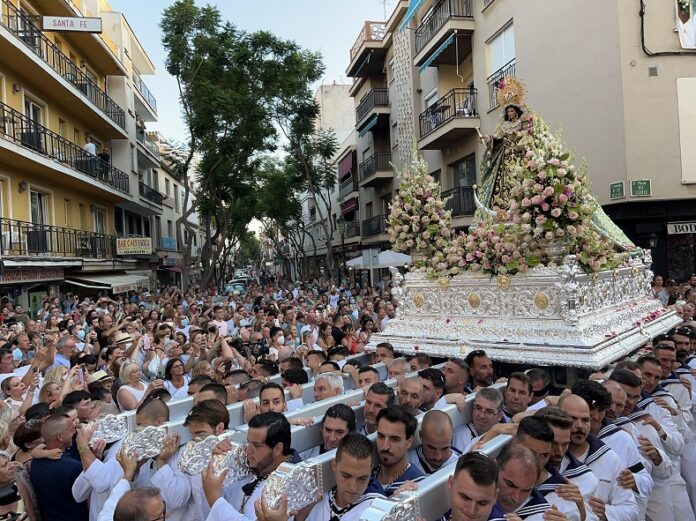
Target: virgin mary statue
[(505, 148)]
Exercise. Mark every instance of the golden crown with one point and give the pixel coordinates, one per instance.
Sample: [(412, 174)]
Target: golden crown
[(510, 91)]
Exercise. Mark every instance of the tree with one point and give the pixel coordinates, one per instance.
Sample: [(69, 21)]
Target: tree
[(249, 250), (232, 85)]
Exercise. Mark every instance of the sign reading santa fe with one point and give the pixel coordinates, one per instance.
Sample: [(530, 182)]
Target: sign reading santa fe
[(71, 24), (134, 246)]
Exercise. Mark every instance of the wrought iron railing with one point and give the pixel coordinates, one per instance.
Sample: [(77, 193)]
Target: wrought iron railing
[(24, 28), (373, 225), (352, 230), (375, 98), (457, 103), (461, 200), (17, 128), (445, 10), (149, 145), (145, 92), (507, 70), (376, 162), (348, 185), (151, 194), (486, 3), (21, 238)]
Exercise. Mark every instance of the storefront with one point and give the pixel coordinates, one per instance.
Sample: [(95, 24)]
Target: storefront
[(28, 286)]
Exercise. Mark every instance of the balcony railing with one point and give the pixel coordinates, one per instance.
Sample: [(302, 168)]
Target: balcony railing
[(507, 70), (20, 238), (376, 162), (24, 28), (461, 200), (373, 225), (352, 230), (149, 193), (371, 32), (376, 98), (142, 89), (19, 129), (149, 145), (457, 103), (348, 185), (445, 10)]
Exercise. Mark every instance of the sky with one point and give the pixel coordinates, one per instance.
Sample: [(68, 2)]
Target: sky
[(328, 26)]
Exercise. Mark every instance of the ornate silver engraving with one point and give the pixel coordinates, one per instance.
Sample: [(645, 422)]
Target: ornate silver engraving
[(110, 428), (147, 443), (302, 483), (404, 507)]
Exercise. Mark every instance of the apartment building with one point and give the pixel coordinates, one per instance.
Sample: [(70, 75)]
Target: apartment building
[(612, 75), (76, 202)]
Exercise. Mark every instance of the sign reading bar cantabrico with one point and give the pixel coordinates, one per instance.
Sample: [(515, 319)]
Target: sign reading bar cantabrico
[(134, 246)]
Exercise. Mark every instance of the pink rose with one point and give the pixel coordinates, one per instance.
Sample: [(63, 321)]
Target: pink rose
[(545, 207), (533, 165), (571, 230), (548, 191), (542, 175), (536, 200), (556, 212), (540, 219), (572, 215)]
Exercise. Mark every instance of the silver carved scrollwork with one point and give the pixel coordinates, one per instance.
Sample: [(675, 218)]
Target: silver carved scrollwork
[(404, 507), (146, 443), (302, 484), (110, 428), (198, 453), (569, 289)]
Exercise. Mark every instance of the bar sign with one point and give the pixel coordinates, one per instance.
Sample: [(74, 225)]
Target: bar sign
[(617, 190), (641, 188)]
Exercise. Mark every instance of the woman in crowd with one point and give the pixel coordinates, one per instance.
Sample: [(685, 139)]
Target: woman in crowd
[(16, 395), (133, 390), (175, 379), (325, 340), (657, 285)]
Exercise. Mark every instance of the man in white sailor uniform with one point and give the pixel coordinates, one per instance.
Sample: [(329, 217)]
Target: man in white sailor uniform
[(634, 476), (487, 411), (352, 494), (612, 502), (435, 450), (654, 457), (518, 469), (339, 420), (268, 445)]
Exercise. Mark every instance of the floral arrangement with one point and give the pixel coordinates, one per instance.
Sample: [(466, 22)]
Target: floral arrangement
[(418, 221)]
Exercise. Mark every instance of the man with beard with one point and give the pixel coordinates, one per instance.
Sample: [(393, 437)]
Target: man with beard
[(395, 430), (473, 489), (339, 420), (268, 445), (487, 411), (456, 376), (653, 455), (634, 476), (352, 494), (480, 370), (436, 449), (611, 500), (666, 354), (410, 395), (378, 397), (433, 382)]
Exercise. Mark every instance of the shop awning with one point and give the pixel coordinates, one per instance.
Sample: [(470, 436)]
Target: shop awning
[(113, 283), (349, 205), (413, 7), (368, 126), (345, 165), (435, 54)]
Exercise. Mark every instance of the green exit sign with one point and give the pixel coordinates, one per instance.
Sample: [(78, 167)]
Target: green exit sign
[(617, 190), (641, 188)]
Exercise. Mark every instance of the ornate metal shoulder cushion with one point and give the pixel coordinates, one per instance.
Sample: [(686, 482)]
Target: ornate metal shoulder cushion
[(302, 483), (197, 455), (146, 443), (404, 507), (110, 428)]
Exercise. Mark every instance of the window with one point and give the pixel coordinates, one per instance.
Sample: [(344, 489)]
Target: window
[(368, 210), (170, 229), (66, 211), (99, 221), (166, 186), (430, 98), (33, 111), (134, 162), (158, 230), (501, 48), (464, 171), (386, 200), (62, 127), (176, 198), (76, 136), (39, 207), (437, 175)]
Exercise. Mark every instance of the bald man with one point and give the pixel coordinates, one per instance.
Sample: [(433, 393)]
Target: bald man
[(611, 501), (436, 450), (411, 395)]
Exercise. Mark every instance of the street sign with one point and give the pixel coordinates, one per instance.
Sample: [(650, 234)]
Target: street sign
[(72, 24), (133, 246), (617, 190), (681, 228), (641, 188)]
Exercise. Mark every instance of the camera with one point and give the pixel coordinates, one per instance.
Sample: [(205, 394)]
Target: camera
[(255, 350), (212, 329)]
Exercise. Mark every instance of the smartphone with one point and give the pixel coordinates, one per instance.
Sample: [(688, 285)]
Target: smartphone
[(146, 342), (81, 375)]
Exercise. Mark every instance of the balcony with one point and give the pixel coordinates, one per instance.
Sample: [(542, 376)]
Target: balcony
[(348, 185), (367, 53), (377, 100), (506, 71), (374, 225), (140, 86), (150, 194), (148, 145), (23, 239), (449, 119), (376, 169), (449, 20), (461, 200), (31, 37), (352, 230), (19, 129)]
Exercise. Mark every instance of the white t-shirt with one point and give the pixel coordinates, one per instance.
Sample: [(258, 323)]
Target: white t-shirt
[(222, 327)]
